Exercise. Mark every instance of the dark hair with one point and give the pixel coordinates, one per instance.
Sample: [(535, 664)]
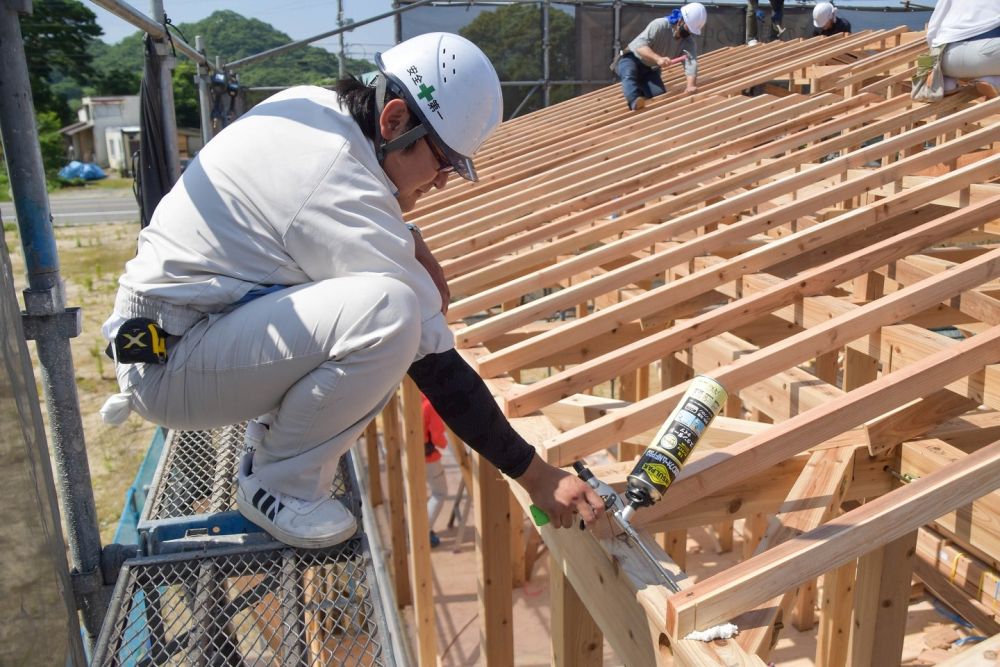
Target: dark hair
[(360, 102)]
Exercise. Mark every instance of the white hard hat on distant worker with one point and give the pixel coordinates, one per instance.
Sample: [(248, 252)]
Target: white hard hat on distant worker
[(823, 13), (450, 84), (694, 16)]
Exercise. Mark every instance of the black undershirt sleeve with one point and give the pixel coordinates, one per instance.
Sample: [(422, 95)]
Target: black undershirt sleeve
[(465, 404)]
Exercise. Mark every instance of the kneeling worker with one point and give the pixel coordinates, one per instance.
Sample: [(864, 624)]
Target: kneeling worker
[(826, 22), (664, 41), (287, 287)]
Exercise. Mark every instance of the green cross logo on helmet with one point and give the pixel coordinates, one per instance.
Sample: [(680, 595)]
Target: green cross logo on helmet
[(450, 84)]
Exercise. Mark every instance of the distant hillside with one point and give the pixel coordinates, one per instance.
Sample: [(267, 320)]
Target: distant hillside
[(232, 36)]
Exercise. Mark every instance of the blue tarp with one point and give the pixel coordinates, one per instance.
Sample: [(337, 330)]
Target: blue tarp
[(88, 171)]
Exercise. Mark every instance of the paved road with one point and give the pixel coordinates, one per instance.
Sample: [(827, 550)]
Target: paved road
[(85, 207)]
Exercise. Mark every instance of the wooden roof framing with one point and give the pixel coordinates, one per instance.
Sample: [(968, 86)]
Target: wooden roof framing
[(794, 245)]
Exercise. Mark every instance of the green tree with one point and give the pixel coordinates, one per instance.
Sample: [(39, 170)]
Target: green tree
[(186, 94), (512, 38), (56, 36), (232, 36), (51, 143)]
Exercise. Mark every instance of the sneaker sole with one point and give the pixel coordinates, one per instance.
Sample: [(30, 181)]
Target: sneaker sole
[(254, 516)]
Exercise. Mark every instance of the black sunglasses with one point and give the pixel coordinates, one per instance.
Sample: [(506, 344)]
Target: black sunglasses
[(444, 165)]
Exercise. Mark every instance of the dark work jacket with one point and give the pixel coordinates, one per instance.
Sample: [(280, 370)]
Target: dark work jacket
[(839, 25)]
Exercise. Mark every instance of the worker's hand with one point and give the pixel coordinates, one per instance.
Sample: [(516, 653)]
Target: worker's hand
[(560, 494), (663, 62), (691, 89), (427, 260)]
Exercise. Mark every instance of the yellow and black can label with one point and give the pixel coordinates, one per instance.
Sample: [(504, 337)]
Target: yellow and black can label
[(663, 459)]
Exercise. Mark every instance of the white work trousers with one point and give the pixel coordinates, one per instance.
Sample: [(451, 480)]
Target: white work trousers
[(977, 59), (437, 484), (322, 357)]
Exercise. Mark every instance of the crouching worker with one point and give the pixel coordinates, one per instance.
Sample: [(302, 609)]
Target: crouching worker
[(664, 41), (286, 286)]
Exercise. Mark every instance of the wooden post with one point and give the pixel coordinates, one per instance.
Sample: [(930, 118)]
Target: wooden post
[(518, 561), (421, 572), (754, 528), (392, 433), (576, 639), (374, 470), (836, 609), (490, 498), (859, 369), (881, 600), (629, 391), (674, 542)]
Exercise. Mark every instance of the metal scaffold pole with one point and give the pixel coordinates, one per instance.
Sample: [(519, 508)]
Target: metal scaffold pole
[(168, 115), (48, 322), (204, 94), (546, 44)]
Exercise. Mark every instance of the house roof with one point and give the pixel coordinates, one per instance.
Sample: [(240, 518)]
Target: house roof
[(76, 128)]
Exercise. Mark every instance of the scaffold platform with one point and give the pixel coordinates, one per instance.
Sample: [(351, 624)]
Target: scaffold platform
[(210, 588)]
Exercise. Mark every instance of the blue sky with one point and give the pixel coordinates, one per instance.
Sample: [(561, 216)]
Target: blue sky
[(296, 18)]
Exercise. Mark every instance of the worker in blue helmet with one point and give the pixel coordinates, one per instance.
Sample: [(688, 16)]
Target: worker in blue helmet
[(665, 41)]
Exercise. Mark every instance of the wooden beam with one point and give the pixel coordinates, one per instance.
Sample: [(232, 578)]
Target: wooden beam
[(883, 311), (805, 345), (915, 419), (620, 588), (685, 186), (983, 654), (849, 223), (815, 497), (976, 527), (939, 586), (584, 233), (819, 424), (855, 533)]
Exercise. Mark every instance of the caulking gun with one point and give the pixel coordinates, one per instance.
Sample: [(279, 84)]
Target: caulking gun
[(659, 465)]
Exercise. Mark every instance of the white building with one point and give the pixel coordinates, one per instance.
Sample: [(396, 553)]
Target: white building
[(101, 118)]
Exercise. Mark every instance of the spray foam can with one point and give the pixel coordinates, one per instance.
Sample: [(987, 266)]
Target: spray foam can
[(663, 459)]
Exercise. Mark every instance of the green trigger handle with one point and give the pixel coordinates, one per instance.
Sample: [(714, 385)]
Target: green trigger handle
[(539, 515)]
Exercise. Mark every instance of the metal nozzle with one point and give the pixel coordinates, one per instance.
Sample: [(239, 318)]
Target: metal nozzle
[(621, 518)]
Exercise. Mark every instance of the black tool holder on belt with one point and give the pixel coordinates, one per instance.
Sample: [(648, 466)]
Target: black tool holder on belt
[(139, 341)]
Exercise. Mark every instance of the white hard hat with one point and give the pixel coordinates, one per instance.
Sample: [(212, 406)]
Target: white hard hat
[(694, 16), (452, 87), (822, 13)]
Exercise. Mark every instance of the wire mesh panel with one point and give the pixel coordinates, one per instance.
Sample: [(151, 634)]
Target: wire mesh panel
[(197, 475), (273, 605)]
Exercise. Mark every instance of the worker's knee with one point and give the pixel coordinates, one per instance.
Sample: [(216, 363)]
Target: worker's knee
[(391, 313)]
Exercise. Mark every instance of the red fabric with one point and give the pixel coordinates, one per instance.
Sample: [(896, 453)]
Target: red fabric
[(433, 430)]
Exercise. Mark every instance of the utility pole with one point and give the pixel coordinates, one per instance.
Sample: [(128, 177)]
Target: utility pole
[(341, 70)]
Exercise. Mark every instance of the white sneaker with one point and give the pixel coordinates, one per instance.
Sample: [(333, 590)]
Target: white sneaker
[(254, 436), (751, 42), (301, 523)]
